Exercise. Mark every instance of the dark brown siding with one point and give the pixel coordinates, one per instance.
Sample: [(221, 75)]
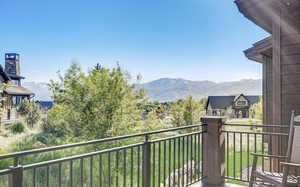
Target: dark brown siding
[(290, 73)]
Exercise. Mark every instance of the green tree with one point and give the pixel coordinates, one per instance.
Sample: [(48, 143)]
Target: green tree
[(177, 113), (256, 111), (187, 111), (30, 111), (96, 104)]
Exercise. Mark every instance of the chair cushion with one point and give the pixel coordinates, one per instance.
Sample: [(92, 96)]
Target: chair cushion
[(274, 178), (295, 157)]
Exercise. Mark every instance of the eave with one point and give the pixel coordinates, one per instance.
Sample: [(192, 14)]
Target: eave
[(264, 12), (259, 50), (255, 11)]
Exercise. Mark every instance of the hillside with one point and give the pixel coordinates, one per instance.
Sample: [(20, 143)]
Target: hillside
[(40, 89), (167, 89)]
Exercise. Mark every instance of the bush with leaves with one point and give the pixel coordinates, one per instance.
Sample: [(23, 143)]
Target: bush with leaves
[(16, 127), (256, 111), (55, 123), (3, 86), (187, 111), (31, 111)]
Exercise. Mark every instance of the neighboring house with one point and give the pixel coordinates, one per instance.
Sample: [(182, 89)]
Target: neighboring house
[(232, 106), (45, 105), (14, 93)]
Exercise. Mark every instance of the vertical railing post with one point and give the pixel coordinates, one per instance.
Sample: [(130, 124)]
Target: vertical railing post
[(213, 151), (16, 178), (146, 162)]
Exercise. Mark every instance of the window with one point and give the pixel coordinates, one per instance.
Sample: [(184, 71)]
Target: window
[(15, 82), (241, 103), (8, 114), (15, 100)]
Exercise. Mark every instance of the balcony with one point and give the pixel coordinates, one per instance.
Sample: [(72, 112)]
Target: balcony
[(211, 153)]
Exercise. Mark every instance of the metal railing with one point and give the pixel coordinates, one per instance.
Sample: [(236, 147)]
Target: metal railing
[(155, 161), (242, 140), (169, 157)]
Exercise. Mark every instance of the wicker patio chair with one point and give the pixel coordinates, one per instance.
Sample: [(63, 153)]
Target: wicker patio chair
[(290, 164)]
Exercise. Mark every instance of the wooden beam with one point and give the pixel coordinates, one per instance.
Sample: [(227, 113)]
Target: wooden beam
[(264, 68), (276, 74), (276, 69)]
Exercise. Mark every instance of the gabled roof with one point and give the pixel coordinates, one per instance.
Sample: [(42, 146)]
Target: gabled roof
[(253, 99), (17, 77), (222, 102), (18, 91)]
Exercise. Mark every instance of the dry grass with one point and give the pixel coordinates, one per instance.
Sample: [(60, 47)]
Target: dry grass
[(7, 138)]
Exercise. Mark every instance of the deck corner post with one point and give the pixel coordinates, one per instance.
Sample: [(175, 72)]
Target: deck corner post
[(213, 151), (16, 178), (146, 164)]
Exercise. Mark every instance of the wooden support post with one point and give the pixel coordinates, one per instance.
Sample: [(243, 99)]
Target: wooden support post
[(146, 163), (277, 90), (213, 151), (16, 178)]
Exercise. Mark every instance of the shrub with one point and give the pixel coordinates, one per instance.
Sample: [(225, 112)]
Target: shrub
[(4, 163), (31, 111), (54, 127), (17, 127)]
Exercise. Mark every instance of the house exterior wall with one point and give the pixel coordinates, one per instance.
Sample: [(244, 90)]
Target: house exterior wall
[(235, 110), (290, 75), (10, 113), (14, 116), (241, 99), (209, 110)]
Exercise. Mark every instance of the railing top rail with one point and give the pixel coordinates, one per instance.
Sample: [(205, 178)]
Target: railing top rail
[(65, 146), (65, 159), (259, 133), (256, 126), (177, 136), (5, 172)]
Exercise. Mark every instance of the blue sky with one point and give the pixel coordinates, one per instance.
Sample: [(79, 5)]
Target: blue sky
[(191, 39)]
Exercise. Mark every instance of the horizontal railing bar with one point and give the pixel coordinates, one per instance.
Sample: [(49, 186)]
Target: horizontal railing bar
[(255, 126), (259, 133), (45, 163), (5, 172), (177, 136), (65, 146)]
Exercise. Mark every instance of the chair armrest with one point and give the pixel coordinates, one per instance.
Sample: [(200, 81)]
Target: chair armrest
[(290, 164), (268, 156)]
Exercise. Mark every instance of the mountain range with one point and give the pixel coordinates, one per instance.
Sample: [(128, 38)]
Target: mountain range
[(168, 89), (40, 89)]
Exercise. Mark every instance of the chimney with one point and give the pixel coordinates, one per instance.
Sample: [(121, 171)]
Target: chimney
[(12, 64)]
